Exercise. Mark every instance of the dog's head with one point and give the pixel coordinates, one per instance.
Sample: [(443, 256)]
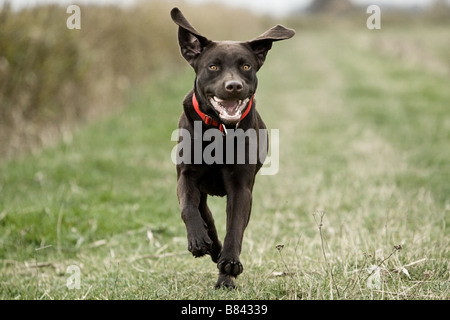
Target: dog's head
[(225, 70)]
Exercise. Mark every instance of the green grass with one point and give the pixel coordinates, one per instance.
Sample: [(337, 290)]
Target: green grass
[(364, 167)]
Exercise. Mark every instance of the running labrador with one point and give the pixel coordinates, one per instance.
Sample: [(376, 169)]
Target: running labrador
[(220, 106)]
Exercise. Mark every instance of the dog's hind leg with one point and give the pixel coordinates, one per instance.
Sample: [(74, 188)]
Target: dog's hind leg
[(211, 228)]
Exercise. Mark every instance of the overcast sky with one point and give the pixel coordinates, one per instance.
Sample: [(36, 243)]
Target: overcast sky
[(275, 7)]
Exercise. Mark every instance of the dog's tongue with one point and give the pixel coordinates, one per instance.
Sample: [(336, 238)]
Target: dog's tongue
[(229, 105)]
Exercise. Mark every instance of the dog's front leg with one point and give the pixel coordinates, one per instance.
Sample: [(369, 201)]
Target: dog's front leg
[(199, 243), (238, 214)]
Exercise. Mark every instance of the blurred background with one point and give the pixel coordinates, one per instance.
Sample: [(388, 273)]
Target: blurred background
[(52, 79)]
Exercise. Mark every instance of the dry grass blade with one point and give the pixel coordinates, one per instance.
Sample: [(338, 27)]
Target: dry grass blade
[(321, 214)]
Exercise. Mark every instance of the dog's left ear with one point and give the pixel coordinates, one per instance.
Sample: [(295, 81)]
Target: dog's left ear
[(262, 44), (190, 40)]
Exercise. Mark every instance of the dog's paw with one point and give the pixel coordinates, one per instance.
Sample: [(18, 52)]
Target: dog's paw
[(200, 244), (232, 267), (225, 281)]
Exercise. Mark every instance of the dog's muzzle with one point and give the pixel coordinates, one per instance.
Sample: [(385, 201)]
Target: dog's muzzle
[(230, 111)]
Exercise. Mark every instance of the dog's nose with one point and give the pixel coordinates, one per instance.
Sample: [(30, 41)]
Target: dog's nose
[(233, 86)]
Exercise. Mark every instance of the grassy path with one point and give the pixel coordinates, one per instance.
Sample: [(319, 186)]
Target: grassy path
[(364, 167)]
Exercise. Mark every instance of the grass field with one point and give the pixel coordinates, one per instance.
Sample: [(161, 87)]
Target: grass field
[(358, 210)]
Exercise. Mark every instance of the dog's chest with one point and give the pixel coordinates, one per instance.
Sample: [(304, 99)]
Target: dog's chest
[(210, 180)]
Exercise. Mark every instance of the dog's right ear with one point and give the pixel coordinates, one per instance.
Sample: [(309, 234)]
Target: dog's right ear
[(190, 40)]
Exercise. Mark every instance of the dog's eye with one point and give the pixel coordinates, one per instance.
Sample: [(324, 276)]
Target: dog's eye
[(213, 67), (246, 67)]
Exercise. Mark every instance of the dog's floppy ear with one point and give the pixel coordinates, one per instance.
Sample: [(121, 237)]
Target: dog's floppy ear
[(262, 44), (190, 40)]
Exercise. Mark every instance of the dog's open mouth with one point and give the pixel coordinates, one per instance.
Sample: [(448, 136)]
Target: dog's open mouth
[(230, 111)]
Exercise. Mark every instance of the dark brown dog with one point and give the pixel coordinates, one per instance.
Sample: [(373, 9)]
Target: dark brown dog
[(220, 110)]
